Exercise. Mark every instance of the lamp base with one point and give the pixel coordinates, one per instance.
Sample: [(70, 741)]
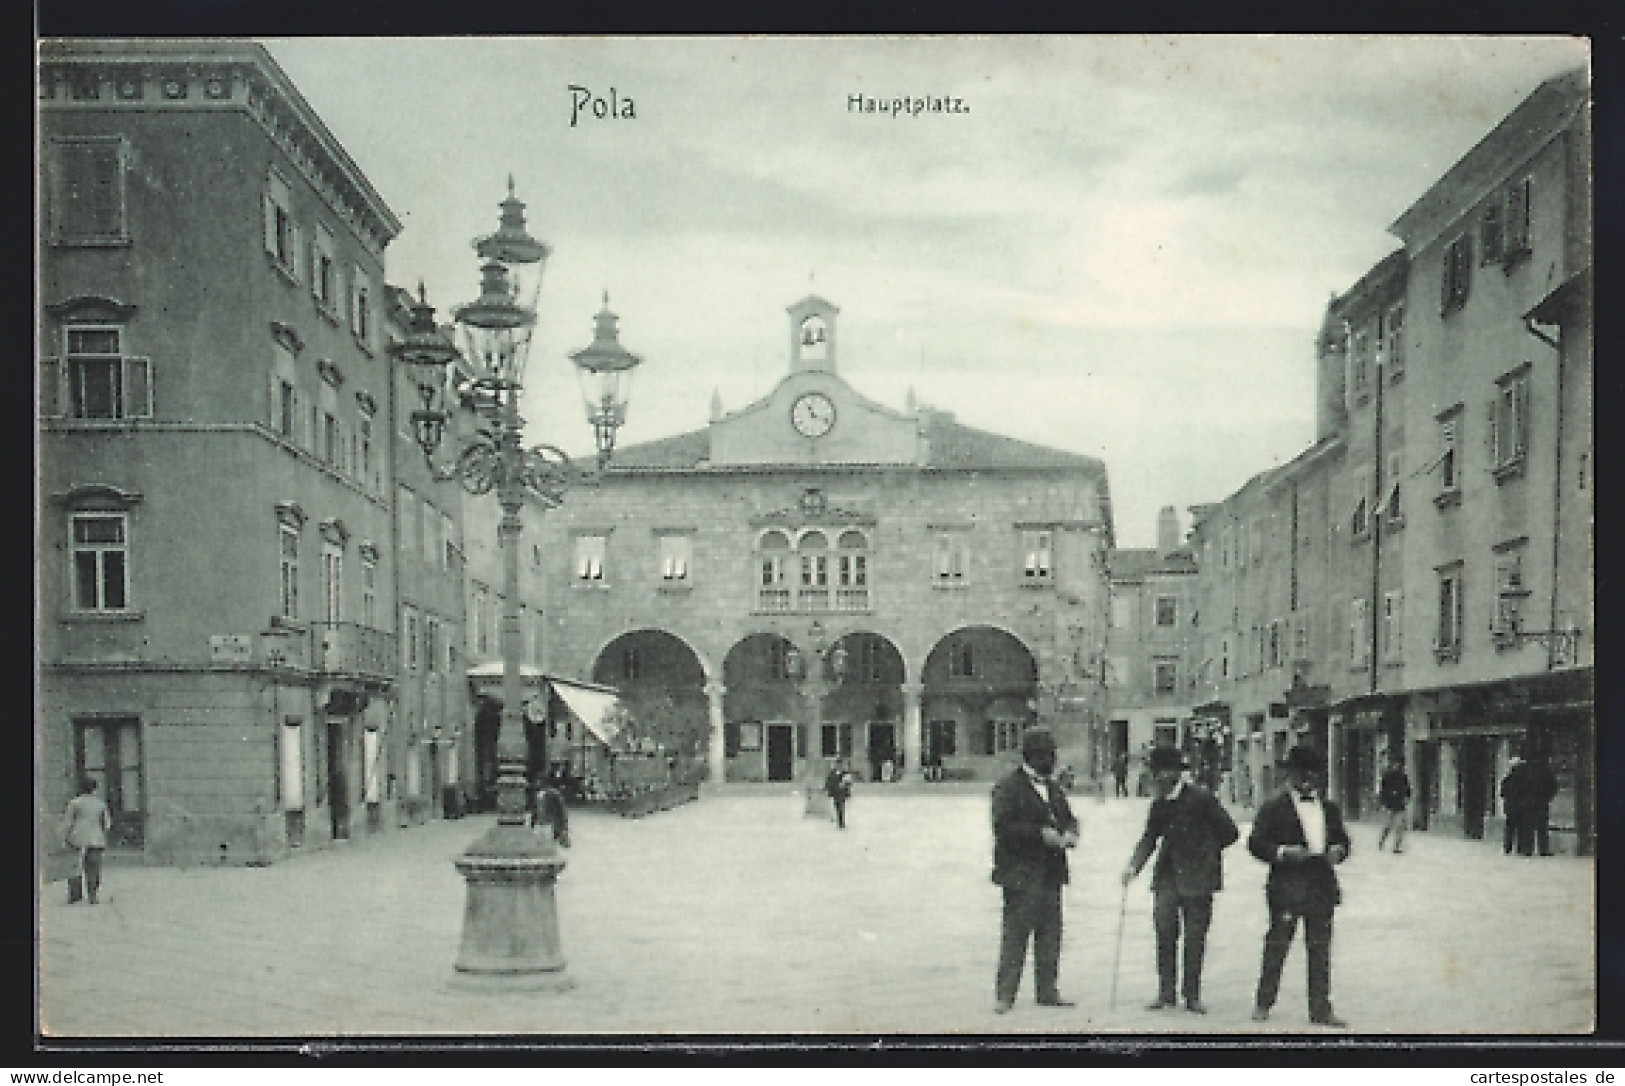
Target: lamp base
[(510, 921)]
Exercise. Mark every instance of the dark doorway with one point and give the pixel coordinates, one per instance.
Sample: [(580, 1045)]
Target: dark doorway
[(337, 790), (487, 726), (1474, 768), (1427, 783), (882, 749), (781, 749), (110, 751)]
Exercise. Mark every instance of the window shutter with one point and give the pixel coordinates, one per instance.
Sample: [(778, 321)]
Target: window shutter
[(268, 206), (138, 388), (316, 267), (53, 388), (295, 249)]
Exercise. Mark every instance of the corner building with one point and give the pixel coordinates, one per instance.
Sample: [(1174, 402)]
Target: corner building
[(215, 636), (817, 575)]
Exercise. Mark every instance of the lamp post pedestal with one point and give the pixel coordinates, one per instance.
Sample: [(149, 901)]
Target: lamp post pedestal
[(510, 920)]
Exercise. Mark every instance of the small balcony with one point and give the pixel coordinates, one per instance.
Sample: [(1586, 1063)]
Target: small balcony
[(349, 648)]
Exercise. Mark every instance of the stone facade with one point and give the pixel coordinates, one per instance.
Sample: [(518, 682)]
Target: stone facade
[(818, 575), (214, 470)]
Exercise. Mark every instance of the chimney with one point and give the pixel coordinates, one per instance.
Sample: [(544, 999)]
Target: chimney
[(1167, 531)]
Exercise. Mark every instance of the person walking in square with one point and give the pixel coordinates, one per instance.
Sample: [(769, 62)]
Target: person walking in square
[(1515, 808), (1194, 830), (1542, 789), (1033, 826), (85, 825), (1300, 834), (1395, 794), (1120, 773), (839, 786)]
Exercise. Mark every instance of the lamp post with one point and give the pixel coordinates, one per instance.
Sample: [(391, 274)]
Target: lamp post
[(510, 924)]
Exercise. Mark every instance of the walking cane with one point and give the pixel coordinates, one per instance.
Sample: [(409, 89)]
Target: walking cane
[(1117, 956)]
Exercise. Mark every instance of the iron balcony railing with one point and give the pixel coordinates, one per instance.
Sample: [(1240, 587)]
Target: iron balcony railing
[(349, 648)]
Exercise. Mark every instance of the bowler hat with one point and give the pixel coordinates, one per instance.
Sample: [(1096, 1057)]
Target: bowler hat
[(1307, 759), (1036, 739), (1166, 758)]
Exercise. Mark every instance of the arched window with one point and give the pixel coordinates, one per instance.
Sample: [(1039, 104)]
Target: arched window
[(772, 551), (852, 572), (812, 592)]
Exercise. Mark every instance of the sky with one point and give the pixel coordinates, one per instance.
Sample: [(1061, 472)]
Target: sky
[(1119, 246)]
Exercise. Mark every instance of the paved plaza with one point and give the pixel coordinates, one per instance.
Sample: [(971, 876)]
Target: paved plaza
[(737, 914)]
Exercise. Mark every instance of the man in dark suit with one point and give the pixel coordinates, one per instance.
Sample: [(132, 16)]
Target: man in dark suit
[(1194, 829), (1300, 834), (1033, 826)]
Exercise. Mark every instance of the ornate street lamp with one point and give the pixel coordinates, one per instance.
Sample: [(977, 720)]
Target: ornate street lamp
[(510, 923)]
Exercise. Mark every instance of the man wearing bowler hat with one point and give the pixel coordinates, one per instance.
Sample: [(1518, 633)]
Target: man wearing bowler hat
[(1300, 834), (1194, 829), (1033, 826)]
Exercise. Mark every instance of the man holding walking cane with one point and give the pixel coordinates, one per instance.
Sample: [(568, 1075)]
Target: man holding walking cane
[(1194, 829)]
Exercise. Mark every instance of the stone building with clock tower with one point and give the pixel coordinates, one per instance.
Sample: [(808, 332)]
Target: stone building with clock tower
[(818, 575)]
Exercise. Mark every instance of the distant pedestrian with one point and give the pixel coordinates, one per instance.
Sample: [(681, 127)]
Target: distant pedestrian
[(1033, 826), (1515, 808), (1194, 830), (1395, 793), (548, 811), (1542, 790), (839, 786), (85, 825), (1120, 772), (1300, 834)]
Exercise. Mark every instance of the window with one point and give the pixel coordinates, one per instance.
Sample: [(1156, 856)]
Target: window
[(324, 285), (1360, 364), (332, 582), (675, 553), (1390, 506), (361, 306), (369, 592), (1360, 517), (1038, 555), (409, 635), (87, 192), (1510, 419), (408, 529), (772, 594), (101, 567), (589, 558), (1005, 735), (1359, 631), (1393, 340), (1167, 611), (1449, 466), (1517, 221), (1490, 232), (779, 655), (631, 663), (1224, 658), (1275, 643), (289, 573), (1393, 627), (1509, 597), (1167, 677), (364, 436), (431, 643), (961, 663), (330, 439), (281, 232), (287, 408), (852, 572), (952, 557), (1456, 276), (1447, 641), (102, 382), (109, 750)]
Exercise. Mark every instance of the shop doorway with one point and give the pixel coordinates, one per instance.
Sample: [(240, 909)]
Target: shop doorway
[(337, 792), (781, 750), (882, 749), (110, 751), (1475, 772)]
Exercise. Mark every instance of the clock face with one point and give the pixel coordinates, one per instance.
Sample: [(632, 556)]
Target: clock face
[(813, 415)]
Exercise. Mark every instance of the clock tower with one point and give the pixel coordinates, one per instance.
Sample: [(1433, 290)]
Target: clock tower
[(812, 335)]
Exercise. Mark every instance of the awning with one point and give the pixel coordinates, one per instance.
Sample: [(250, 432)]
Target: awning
[(593, 707)]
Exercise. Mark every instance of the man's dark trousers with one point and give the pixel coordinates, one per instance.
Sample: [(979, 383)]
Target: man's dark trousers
[(1167, 911), (840, 810), (1031, 910), (1317, 937)]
